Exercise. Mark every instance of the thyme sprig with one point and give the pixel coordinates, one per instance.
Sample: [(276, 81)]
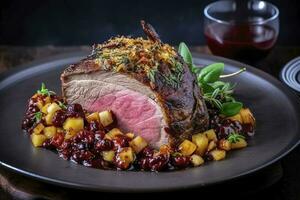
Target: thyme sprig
[(38, 116), (234, 137), (44, 90)]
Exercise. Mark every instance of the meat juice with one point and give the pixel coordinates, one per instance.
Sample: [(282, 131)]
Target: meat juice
[(242, 42)]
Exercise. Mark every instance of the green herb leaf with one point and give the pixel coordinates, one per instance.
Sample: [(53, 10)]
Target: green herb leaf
[(231, 108), (186, 54), (234, 137), (207, 88), (211, 73), (38, 116), (62, 105), (45, 91)]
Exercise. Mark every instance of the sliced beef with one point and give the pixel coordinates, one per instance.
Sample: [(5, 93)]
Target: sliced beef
[(145, 83)]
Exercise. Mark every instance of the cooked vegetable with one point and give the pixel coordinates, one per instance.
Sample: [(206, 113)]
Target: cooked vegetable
[(201, 141), (106, 118), (211, 135), (73, 124), (38, 129), (113, 133), (45, 108), (138, 144), (38, 140), (236, 117), (52, 108), (247, 116), (239, 144), (93, 117), (224, 144), (211, 145), (49, 131), (126, 157), (187, 148), (108, 155), (70, 133), (196, 160), (218, 154)]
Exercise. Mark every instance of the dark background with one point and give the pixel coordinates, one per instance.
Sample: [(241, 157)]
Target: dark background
[(80, 22)]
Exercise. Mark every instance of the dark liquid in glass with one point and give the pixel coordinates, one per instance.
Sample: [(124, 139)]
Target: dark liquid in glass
[(242, 42)]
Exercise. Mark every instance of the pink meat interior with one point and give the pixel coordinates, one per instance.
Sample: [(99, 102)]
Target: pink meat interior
[(135, 113)]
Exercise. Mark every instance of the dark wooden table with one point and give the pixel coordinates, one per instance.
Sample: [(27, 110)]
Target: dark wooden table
[(278, 182)]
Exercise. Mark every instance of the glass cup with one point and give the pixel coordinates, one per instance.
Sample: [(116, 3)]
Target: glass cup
[(242, 30)]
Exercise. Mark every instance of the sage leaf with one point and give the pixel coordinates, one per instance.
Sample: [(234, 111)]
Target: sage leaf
[(211, 73), (186, 54), (231, 108)]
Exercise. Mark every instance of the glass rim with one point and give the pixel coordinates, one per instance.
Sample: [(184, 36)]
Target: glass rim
[(273, 17)]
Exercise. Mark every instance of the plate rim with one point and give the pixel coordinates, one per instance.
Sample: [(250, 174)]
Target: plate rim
[(284, 88)]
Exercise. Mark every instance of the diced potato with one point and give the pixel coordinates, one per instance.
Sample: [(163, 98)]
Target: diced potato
[(108, 155), (130, 135), (187, 148), (224, 144), (211, 135), (50, 131), (59, 130), (236, 117), (247, 116), (196, 160), (38, 140), (40, 104), (45, 107), (127, 156), (211, 145), (113, 133), (138, 144), (38, 128), (47, 100), (202, 143), (218, 154), (51, 109), (165, 149), (106, 118), (239, 144), (74, 124), (93, 117), (70, 133)]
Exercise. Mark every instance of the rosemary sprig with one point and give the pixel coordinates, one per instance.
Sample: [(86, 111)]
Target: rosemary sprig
[(62, 105), (234, 137), (45, 91), (38, 116)]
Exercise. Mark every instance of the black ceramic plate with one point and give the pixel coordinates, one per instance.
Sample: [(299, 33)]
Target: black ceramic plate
[(274, 106)]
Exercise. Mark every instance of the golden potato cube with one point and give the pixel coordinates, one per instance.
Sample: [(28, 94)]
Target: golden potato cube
[(211, 135), (165, 149), (60, 130), (196, 160), (218, 154), (75, 124), (106, 118), (127, 156), (211, 145), (70, 133), (38, 140), (130, 135), (47, 100), (45, 107), (50, 131), (108, 155), (138, 144), (93, 117), (202, 143), (53, 107), (239, 144), (224, 144), (38, 128), (247, 116), (187, 148), (113, 133), (40, 104), (236, 117)]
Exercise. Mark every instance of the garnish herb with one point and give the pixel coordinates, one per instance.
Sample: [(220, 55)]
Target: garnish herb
[(234, 137), (62, 105), (45, 91), (217, 93), (38, 116)]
